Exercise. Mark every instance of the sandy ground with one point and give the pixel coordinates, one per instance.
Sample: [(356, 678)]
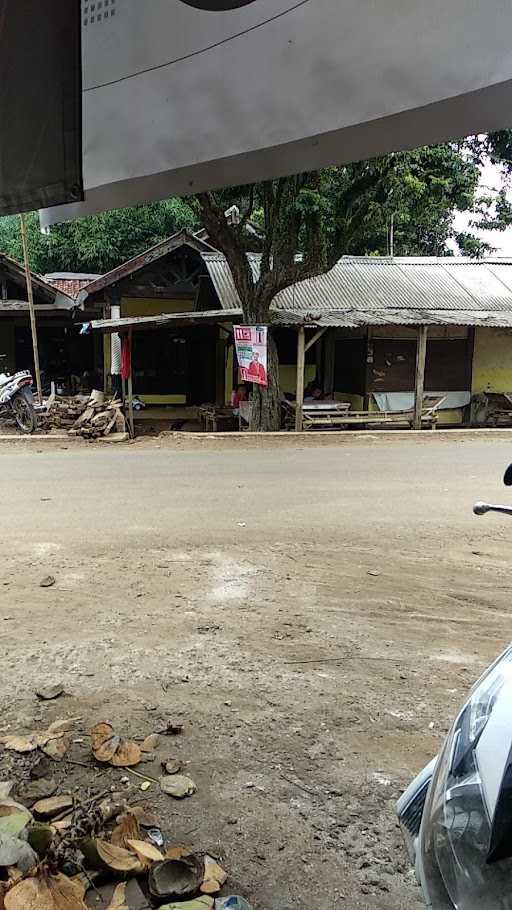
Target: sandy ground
[(312, 614)]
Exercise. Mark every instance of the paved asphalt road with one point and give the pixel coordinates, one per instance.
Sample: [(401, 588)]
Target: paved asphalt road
[(204, 495), (311, 612)]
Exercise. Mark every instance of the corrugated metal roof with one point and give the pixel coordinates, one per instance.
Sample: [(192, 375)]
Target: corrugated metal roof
[(373, 291)]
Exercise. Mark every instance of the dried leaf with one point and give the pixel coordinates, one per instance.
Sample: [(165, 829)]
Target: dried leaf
[(48, 808), (99, 734), (128, 828), (41, 739), (175, 879), (145, 819), (16, 852), (45, 892), (199, 903), (42, 767), (20, 743), (36, 789), (177, 785), (47, 582), (178, 852), (144, 851), (210, 887), (56, 748), (168, 728), (214, 876), (48, 693), (126, 755), (63, 726), (117, 858), (172, 766), (13, 819), (40, 837), (150, 743), (107, 749), (118, 901), (63, 823), (6, 788)]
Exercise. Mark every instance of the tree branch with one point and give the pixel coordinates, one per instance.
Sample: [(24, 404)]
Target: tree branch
[(228, 240)]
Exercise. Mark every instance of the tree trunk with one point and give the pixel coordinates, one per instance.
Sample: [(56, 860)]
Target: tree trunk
[(266, 402)]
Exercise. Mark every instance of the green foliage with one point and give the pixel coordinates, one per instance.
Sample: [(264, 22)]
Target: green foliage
[(97, 243)]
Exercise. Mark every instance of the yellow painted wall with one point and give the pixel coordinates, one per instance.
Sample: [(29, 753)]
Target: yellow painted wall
[(288, 376), (356, 401), (152, 306), (492, 360)]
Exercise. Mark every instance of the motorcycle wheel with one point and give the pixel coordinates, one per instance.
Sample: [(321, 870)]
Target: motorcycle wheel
[(24, 414)]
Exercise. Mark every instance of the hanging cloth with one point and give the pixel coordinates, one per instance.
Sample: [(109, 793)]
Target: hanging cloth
[(126, 357)]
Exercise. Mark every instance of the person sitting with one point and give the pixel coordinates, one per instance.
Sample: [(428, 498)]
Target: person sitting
[(237, 395), (314, 394)]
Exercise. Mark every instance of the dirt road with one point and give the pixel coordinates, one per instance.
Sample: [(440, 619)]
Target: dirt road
[(214, 586)]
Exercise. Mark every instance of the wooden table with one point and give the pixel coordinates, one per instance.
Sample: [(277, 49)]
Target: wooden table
[(215, 419)]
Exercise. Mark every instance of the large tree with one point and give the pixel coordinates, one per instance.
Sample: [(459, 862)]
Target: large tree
[(309, 220)]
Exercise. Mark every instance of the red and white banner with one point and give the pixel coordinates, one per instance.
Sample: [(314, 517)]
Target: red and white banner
[(251, 351)]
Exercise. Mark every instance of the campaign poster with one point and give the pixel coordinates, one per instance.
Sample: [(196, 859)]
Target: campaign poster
[(251, 351)]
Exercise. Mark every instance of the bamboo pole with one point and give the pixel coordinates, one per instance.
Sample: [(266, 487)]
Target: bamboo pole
[(30, 294)]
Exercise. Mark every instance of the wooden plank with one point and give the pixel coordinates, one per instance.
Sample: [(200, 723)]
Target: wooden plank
[(315, 338), (299, 394), (419, 384)]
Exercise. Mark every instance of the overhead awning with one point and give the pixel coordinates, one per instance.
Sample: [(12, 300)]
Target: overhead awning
[(40, 104), (162, 321), (186, 95)]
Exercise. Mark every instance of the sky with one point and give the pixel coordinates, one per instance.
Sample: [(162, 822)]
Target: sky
[(491, 179)]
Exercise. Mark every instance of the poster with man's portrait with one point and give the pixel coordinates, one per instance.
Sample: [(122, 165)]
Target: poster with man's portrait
[(251, 351)]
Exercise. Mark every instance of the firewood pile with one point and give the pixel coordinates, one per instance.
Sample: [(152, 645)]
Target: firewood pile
[(79, 416)]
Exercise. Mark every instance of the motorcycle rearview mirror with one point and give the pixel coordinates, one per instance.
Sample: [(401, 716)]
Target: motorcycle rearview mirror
[(507, 477)]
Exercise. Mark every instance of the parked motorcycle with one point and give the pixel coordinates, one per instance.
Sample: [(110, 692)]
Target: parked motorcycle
[(456, 816), (17, 401)]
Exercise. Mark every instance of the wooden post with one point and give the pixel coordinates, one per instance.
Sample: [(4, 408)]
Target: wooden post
[(329, 362), (299, 395), (220, 370), (130, 389), (421, 356), (368, 370), (30, 295)]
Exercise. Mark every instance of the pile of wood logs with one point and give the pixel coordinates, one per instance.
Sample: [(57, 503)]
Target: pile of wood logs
[(79, 416)]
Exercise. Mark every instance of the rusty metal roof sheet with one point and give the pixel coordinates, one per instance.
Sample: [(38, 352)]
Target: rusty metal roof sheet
[(45, 293)]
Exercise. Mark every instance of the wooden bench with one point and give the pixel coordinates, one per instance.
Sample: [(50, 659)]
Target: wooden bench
[(499, 409), (320, 414), (338, 415)]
